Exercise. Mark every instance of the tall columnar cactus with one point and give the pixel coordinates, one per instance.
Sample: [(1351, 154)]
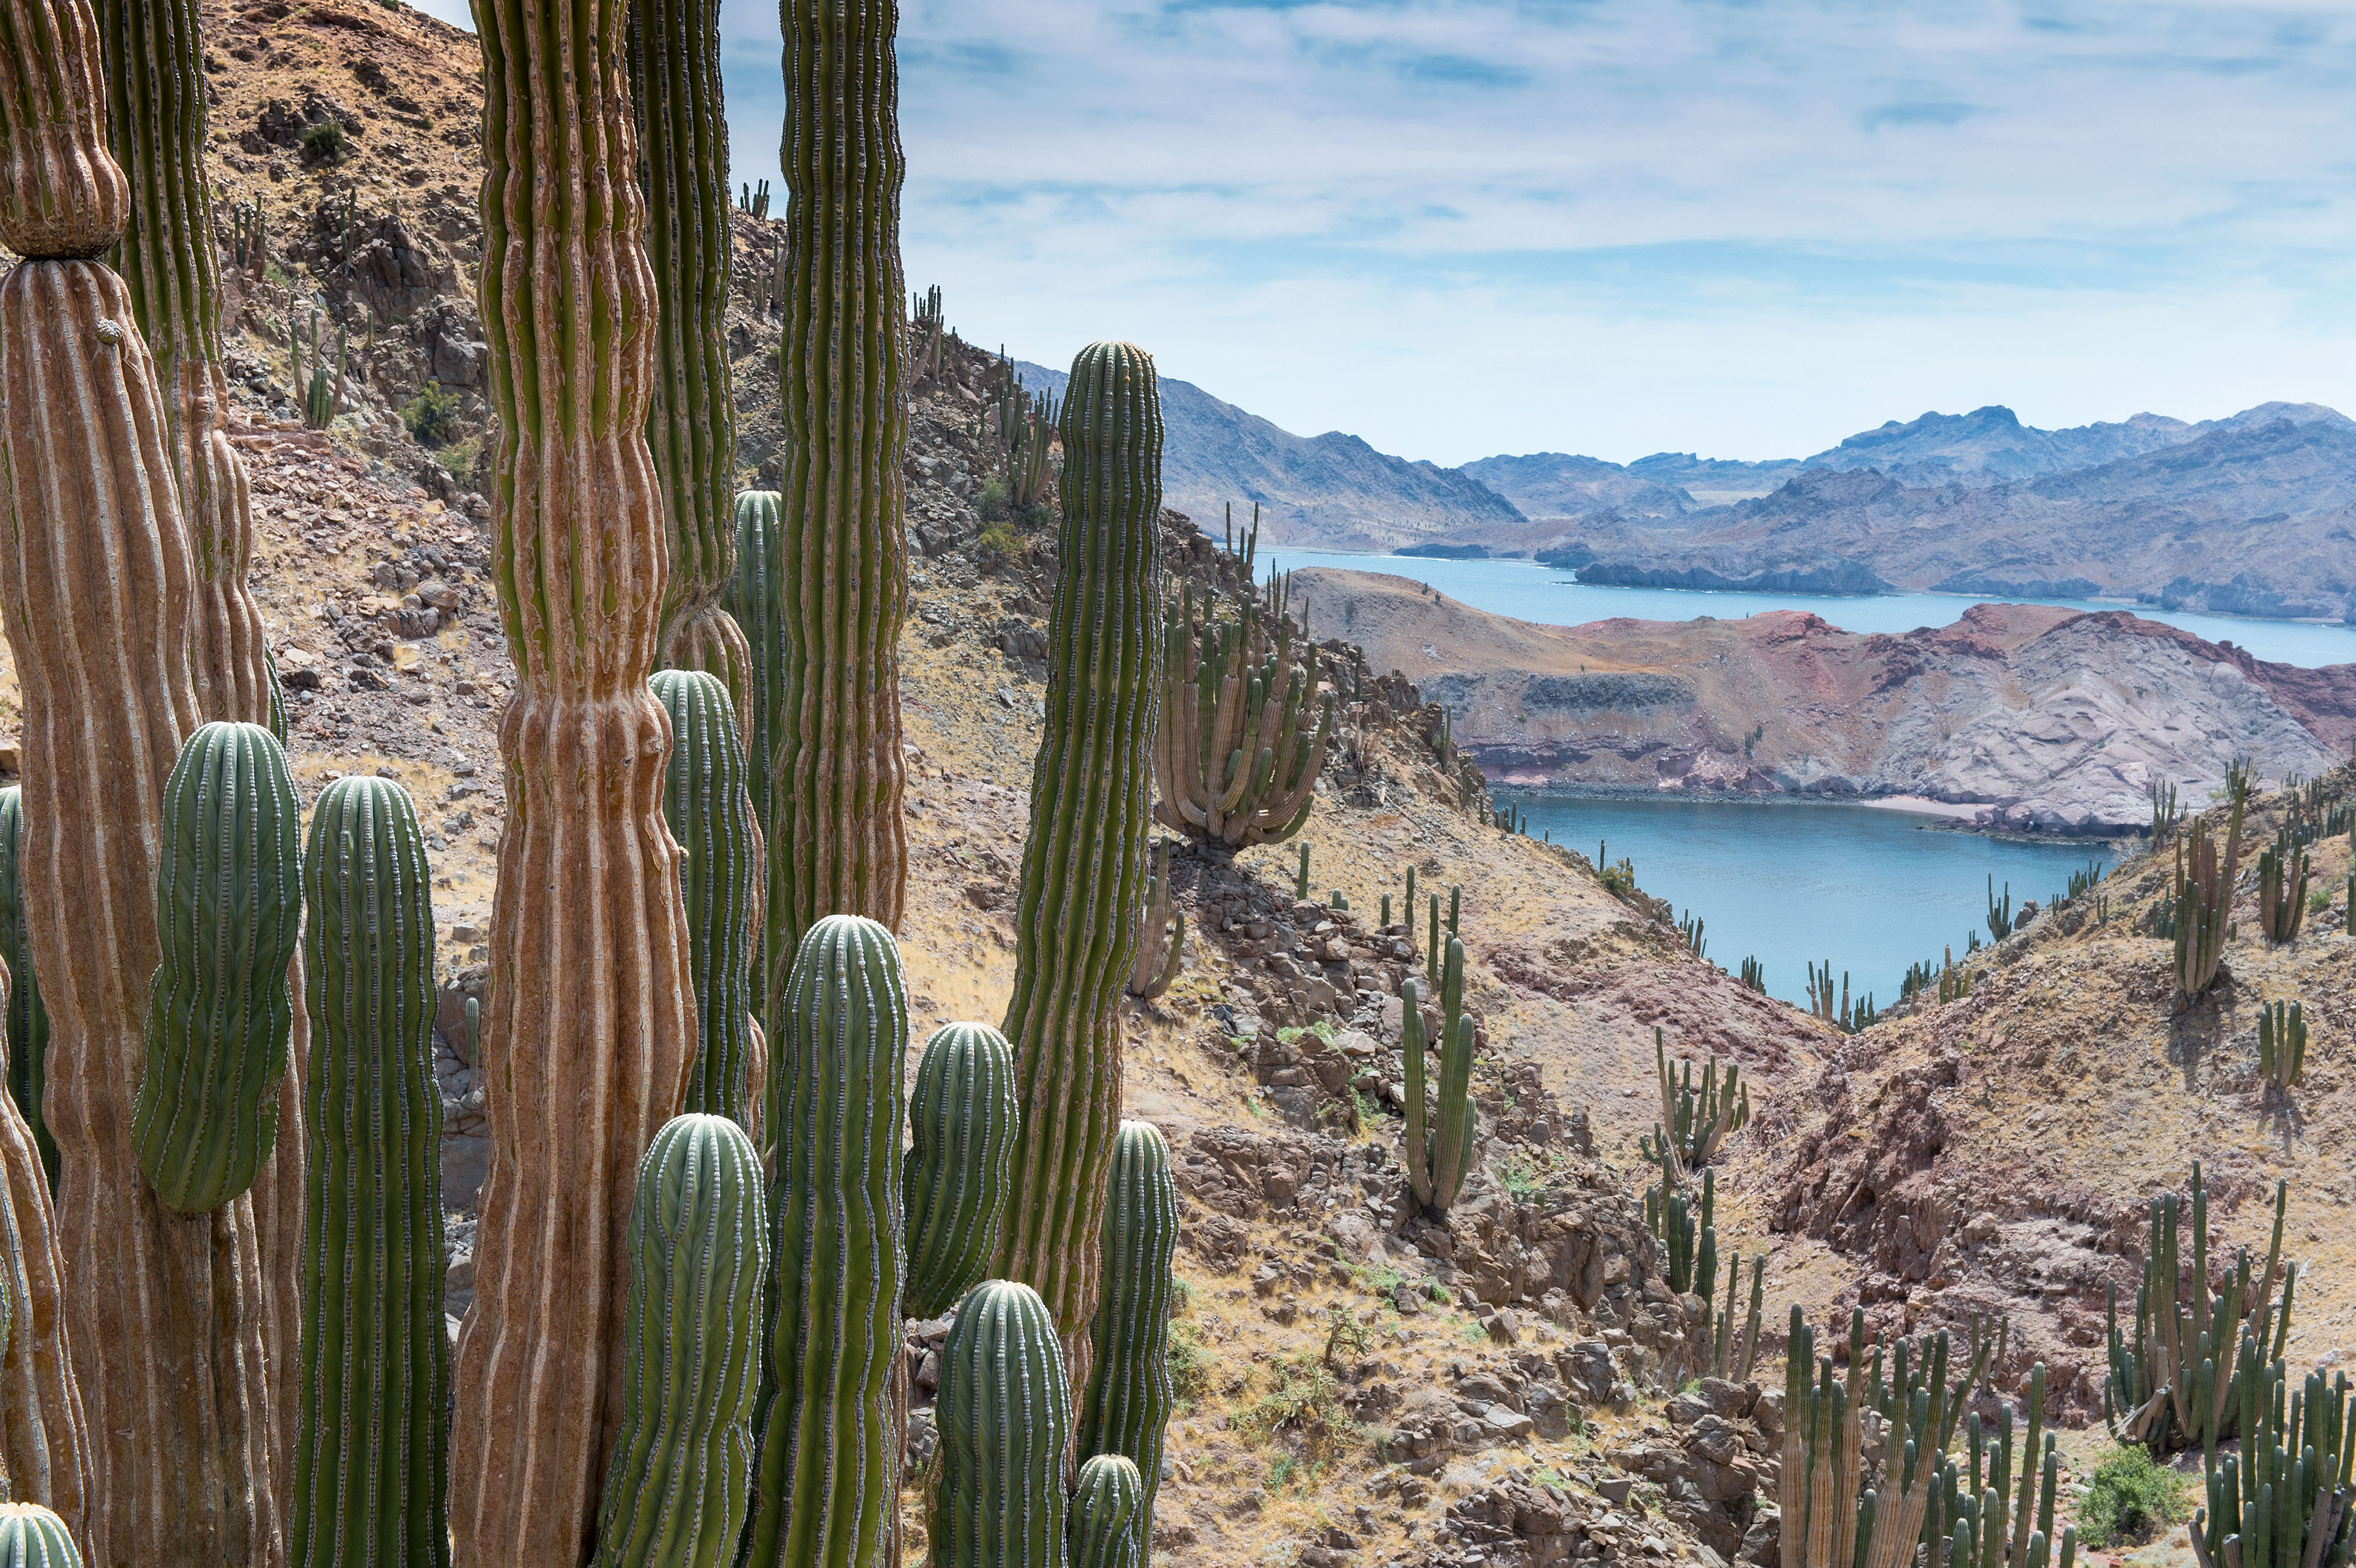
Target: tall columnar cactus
[(758, 600), (1128, 1401), (96, 594), (44, 1454), (33, 1537), (1083, 863), (674, 66), (28, 1021), (837, 841), (955, 1177), (1110, 1515), (1439, 1127), (589, 1033), (2282, 1500), (2282, 1043), (831, 1437), (1694, 1121), (682, 1471), (2203, 905), (1161, 933), (2283, 876), (228, 915), (1005, 1415), (373, 1372), (711, 816)]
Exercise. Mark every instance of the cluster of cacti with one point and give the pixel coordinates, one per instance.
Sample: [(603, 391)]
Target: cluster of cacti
[(1754, 975), (1244, 730), (1510, 819), (1432, 951), (2175, 1382), (1160, 932), (322, 394), (1733, 1349), (755, 199), (1691, 929), (28, 1021), (374, 1377), (1835, 1007), (2283, 874), (963, 1121), (1128, 1392), (928, 355), (1021, 428), (2282, 1043), (1999, 910), (1083, 860), (710, 815), (2166, 814), (1694, 1121), (2201, 911), (1686, 1231), (249, 237), (1439, 1122), (2282, 1498)]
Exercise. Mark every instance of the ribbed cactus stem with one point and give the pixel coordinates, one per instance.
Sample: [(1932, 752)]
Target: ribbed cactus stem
[(1300, 876), (758, 600), (683, 1470), (33, 1537), (1005, 1415), (2282, 1043), (1110, 1515), (830, 1437), (28, 1021), (229, 917), (1439, 1123), (956, 1175), (590, 1031), (1127, 1404), (1161, 933), (704, 801), (370, 1472), (44, 1454), (1083, 862)]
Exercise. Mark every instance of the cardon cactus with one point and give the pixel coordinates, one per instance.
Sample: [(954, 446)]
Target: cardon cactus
[(373, 1373), (758, 600), (954, 1178), (1005, 1416), (674, 67), (96, 595), (1083, 863), (831, 1437), (1109, 1515), (711, 816), (1439, 1125), (1161, 933), (2281, 1500), (33, 1537), (1128, 1399), (1694, 1121), (43, 1452), (589, 1034), (2283, 876), (28, 1021), (2203, 905), (837, 841), (2282, 1043), (683, 1470), (228, 915)]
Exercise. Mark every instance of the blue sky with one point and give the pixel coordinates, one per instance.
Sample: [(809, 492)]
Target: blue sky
[(1745, 228)]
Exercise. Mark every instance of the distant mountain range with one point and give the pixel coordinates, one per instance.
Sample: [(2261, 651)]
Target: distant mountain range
[(2255, 514)]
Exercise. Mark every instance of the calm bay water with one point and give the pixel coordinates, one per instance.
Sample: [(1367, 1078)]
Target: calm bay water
[(1553, 597), (1791, 884)]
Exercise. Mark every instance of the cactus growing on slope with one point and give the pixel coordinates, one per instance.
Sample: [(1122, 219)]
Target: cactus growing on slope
[(374, 1367), (1110, 1517), (710, 813), (954, 1178), (2283, 876), (831, 1437), (1128, 1394), (1083, 862), (28, 1021), (1005, 1415), (1694, 1123), (1439, 1125), (2203, 905), (1161, 933), (2282, 1043), (675, 1494), (2281, 1500), (589, 1034)]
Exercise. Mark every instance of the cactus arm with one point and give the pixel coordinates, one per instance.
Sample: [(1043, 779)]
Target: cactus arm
[(956, 1173), (1127, 1403), (711, 814), (1419, 1130), (1109, 1514), (1005, 1414)]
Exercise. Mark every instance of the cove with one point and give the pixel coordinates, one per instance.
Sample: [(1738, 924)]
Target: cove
[(1793, 883), (1555, 597)]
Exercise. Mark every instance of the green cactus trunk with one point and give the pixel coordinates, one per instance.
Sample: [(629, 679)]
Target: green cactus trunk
[(759, 599), (1110, 1515), (954, 1178), (1127, 1401), (28, 1021), (683, 1470), (1005, 1415), (674, 67), (711, 816), (837, 841), (229, 916), (832, 1434), (1439, 1128), (1083, 863), (33, 1537), (374, 1367)]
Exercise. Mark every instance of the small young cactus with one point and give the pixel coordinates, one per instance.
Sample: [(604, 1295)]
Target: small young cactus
[(1005, 1415), (704, 801), (676, 1492), (1109, 1515), (33, 1537), (228, 912), (1300, 876), (956, 1173), (28, 1021), (1129, 1393)]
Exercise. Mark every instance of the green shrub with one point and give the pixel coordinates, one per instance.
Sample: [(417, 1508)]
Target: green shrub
[(1619, 879), (2131, 1500), (431, 416), (323, 143), (996, 502), (1190, 1369), (1000, 541)]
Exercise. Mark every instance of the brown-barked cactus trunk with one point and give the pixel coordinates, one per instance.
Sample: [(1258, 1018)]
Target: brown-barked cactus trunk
[(590, 1025), (98, 591)]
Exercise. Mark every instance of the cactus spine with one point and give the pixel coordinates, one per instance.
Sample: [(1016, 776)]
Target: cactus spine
[(228, 915), (1110, 1515), (1128, 1399), (1439, 1137), (97, 593), (33, 1537), (837, 841), (831, 1438), (710, 815), (588, 1036), (956, 1173), (1161, 933), (2282, 1043), (28, 1021), (1005, 1414), (674, 67), (683, 1470), (374, 1367), (1083, 863)]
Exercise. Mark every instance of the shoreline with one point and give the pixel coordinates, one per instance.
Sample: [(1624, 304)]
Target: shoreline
[(1939, 816)]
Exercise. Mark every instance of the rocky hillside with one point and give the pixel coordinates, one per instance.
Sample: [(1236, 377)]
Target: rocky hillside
[(2049, 719)]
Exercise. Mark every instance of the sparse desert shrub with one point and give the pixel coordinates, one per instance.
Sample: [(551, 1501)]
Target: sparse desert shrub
[(432, 415), (323, 143), (999, 542)]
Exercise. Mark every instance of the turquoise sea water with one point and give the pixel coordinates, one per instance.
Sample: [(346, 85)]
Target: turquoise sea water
[(1555, 597), (1870, 890)]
